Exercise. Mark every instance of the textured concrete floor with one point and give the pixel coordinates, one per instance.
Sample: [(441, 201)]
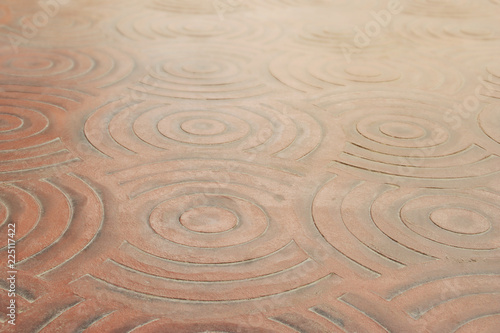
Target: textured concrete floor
[(250, 166)]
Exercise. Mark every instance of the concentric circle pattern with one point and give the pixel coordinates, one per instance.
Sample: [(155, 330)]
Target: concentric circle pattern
[(408, 139), (208, 219), (242, 166), (404, 225), (203, 74), (317, 73), (29, 137), (154, 26), (277, 129), (61, 217), (214, 231), (83, 68)]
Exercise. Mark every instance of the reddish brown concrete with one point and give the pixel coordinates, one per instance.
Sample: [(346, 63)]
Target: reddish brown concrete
[(250, 166)]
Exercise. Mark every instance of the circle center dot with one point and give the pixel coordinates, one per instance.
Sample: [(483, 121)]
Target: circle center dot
[(402, 130), (203, 127), (460, 220), (208, 219)]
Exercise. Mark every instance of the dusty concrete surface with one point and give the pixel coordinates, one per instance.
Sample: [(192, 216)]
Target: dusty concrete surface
[(250, 166)]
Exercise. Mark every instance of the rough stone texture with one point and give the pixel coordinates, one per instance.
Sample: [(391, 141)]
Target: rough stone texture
[(251, 165)]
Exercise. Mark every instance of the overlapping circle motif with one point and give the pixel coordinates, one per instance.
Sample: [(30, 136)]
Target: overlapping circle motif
[(157, 25), (143, 128), (207, 207), (211, 229), (407, 137), (461, 221), (29, 140), (437, 221), (326, 72), (17, 124), (50, 232), (92, 67), (202, 128), (218, 222), (407, 225), (195, 72), (404, 131), (43, 64), (257, 173)]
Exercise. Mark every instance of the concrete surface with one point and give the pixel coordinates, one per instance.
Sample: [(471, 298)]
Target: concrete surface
[(250, 166)]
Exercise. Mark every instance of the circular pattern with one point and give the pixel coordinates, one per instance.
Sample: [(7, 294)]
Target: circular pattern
[(361, 71), (29, 137), (50, 234), (273, 128), (44, 64), (93, 67), (9, 122), (30, 123), (460, 220), (285, 228), (373, 73), (197, 127), (406, 226), (208, 219), (382, 129), (168, 218), (402, 130), (156, 25), (205, 225), (31, 64), (203, 73), (453, 220), (206, 127), (408, 138), (316, 72)]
